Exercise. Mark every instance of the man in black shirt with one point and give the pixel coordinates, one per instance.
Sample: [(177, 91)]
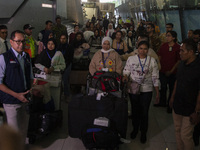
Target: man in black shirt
[(185, 99)]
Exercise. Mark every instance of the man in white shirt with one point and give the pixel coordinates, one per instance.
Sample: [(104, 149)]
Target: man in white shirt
[(4, 42)]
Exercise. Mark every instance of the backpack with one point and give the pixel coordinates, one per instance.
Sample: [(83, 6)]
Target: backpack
[(106, 81)]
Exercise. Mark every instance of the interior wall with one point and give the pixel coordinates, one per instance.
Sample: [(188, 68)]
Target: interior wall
[(33, 13)]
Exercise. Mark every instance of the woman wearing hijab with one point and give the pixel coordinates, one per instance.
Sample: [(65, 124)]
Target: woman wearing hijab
[(43, 44), (110, 30), (129, 41), (50, 59), (106, 59)]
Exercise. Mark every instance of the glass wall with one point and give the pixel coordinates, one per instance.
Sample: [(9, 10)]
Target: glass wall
[(191, 19), (184, 14)]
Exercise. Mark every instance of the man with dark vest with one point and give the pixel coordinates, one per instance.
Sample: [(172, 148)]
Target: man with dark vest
[(15, 82)]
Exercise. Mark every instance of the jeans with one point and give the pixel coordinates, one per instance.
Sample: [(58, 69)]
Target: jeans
[(166, 80), (140, 108), (65, 78)]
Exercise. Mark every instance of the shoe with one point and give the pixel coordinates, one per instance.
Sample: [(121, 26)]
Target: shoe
[(134, 134), (169, 110), (143, 138)]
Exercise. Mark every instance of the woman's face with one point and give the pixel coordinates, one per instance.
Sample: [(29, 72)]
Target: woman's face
[(118, 35), (78, 37), (110, 26), (129, 34), (50, 45), (143, 50), (96, 33), (169, 37), (106, 45), (76, 29)]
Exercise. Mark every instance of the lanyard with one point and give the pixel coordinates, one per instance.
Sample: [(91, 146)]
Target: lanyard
[(142, 66), (118, 46), (49, 55), (104, 61)]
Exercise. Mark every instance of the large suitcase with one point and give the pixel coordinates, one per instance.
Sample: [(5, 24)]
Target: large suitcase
[(83, 110)]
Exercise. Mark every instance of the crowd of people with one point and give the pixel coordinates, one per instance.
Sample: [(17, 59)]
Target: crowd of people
[(141, 54)]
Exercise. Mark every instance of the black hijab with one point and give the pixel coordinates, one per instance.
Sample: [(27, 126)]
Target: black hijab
[(46, 55)]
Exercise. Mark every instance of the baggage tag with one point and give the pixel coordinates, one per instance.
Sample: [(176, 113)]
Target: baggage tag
[(105, 69), (102, 121)]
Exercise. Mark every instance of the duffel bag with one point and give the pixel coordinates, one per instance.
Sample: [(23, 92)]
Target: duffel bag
[(100, 137)]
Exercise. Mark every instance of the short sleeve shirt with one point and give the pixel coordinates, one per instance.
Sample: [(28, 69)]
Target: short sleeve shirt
[(187, 88)]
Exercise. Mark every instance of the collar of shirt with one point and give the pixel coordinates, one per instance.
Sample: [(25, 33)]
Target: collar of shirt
[(2, 40), (16, 53)]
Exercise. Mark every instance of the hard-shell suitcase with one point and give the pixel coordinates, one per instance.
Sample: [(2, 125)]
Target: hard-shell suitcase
[(83, 110)]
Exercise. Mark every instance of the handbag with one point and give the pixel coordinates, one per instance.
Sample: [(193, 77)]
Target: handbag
[(133, 86)]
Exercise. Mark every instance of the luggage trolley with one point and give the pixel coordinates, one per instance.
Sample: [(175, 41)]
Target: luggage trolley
[(88, 112)]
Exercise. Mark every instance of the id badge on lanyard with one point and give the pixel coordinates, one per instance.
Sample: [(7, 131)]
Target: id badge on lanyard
[(105, 69)]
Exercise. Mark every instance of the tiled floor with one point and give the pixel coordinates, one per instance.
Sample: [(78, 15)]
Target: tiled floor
[(160, 135)]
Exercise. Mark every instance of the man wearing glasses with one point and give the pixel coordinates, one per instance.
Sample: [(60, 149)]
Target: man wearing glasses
[(4, 42), (15, 83)]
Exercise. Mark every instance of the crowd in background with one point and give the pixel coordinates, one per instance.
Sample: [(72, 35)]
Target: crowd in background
[(142, 45)]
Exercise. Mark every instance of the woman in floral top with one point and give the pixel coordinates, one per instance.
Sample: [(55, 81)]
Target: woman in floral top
[(138, 67), (106, 59)]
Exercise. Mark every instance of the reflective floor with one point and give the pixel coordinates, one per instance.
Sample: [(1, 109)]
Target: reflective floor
[(160, 134)]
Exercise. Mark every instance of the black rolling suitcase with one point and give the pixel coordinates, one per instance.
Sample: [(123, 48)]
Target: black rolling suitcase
[(83, 110), (41, 121)]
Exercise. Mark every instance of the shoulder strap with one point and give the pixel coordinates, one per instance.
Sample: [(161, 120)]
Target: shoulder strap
[(147, 69)]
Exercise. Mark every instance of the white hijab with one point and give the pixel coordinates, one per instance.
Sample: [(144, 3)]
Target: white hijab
[(110, 41), (110, 31)]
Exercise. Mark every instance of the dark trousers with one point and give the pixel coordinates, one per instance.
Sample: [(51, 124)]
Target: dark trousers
[(166, 80), (140, 108)]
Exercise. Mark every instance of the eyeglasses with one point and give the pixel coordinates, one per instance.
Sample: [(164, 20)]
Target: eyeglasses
[(148, 27), (19, 41)]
